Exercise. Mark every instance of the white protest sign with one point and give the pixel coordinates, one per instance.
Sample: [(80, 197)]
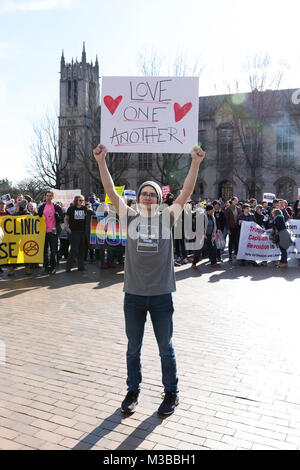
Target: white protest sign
[(269, 197), (255, 244), (293, 225), (149, 114), (10, 207), (5, 197), (65, 196), (129, 193)]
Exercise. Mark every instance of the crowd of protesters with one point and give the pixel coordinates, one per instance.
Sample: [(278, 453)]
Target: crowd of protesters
[(68, 230)]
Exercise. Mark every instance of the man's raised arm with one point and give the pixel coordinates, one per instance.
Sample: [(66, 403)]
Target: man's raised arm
[(100, 153), (189, 184)]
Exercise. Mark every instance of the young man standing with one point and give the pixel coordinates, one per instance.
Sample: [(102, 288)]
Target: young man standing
[(54, 217), (231, 213), (149, 276)]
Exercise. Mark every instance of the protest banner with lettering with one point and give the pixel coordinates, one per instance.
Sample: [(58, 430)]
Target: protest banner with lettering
[(23, 239), (119, 190), (65, 196), (293, 225), (149, 114), (269, 197), (255, 244)]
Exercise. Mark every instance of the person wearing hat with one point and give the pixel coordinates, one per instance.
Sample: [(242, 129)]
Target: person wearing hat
[(149, 278)]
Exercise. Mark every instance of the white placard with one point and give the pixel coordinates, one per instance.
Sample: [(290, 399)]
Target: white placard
[(149, 114), (269, 197), (10, 207), (130, 194), (65, 196), (5, 197)]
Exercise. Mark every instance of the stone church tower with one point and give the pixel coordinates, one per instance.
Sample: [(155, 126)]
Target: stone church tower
[(79, 123)]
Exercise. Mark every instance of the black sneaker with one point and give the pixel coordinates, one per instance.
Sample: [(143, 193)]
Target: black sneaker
[(52, 270), (170, 401), (130, 402)]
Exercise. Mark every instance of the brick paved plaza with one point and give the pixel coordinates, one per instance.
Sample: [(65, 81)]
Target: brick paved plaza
[(237, 344)]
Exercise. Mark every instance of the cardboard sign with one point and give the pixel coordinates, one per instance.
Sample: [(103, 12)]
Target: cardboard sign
[(269, 197), (23, 239), (119, 190), (65, 196), (5, 197), (129, 194), (149, 114)]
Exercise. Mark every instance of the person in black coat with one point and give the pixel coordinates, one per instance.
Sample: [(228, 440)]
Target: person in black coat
[(296, 210)]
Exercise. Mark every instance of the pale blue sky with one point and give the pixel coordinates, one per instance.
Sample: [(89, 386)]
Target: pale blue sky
[(219, 34)]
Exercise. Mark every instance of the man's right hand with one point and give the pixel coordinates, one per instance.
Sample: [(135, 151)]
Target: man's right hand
[(68, 230), (100, 153)]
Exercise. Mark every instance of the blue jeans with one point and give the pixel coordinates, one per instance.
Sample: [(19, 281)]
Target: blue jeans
[(283, 255), (212, 249), (51, 240), (161, 311)]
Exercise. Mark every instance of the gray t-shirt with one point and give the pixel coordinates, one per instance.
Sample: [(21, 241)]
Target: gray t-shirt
[(149, 263)]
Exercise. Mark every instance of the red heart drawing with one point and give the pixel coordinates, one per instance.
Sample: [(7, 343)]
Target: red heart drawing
[(181, 111), (112, 104)]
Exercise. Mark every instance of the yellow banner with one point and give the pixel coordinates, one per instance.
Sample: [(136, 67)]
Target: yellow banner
[(119, 190), (23, 240)]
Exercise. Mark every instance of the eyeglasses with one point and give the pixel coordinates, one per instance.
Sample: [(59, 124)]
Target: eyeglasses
[(144, 194), (80, 200)]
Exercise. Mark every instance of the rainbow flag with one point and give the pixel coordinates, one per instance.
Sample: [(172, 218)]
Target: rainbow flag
[(104, 229)]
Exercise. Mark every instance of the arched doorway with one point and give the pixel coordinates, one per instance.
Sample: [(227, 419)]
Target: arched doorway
[(225, 190)]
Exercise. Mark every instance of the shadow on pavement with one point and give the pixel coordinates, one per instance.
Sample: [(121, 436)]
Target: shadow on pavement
[(234, 271), (130, 442), (20, 283)]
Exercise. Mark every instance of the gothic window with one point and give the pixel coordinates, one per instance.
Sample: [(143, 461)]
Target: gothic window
[(69, 92), (66, 180), (225, 146), (285, 189), (145, 161), (253, 147), (71, 145), (225, 190), (75, 93), (92, 95), (121, 161), (75, 182), (285, 146)]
